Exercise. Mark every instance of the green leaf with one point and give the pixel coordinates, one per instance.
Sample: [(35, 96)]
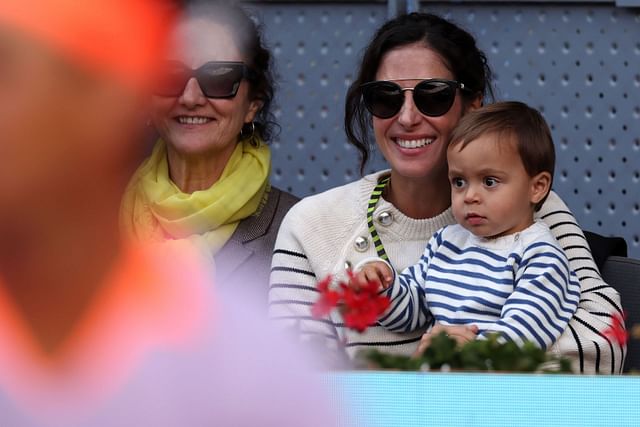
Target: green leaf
[(494, 353)]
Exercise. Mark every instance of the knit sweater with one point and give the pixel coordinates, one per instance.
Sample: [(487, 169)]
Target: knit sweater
[(319, 235), (518, 285)]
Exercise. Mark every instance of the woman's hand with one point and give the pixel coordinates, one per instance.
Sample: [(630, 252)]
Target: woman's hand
[(376, 272), (462, 335)]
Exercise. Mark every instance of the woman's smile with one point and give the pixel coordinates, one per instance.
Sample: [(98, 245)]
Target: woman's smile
[(193, 120), (412, 143), (409, 146)]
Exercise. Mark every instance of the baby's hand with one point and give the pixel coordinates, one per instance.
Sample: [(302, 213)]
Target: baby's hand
[(377, 272)]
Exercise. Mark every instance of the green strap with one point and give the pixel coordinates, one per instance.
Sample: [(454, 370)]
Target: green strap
[(373, 201)]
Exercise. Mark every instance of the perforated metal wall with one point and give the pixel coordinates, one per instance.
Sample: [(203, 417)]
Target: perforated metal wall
[(317, 47), (578, 63)]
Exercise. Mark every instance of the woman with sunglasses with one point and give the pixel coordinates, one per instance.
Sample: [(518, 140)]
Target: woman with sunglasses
[(419, 75), (208, 176)]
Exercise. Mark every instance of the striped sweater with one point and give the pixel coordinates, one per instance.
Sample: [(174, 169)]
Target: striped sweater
[(519, 286), (319, 235)]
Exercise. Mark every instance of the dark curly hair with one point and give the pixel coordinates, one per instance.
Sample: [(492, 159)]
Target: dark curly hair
[(248, 37), (456, 46)]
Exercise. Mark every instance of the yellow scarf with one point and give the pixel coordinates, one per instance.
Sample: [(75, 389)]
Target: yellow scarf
[(154, 208)]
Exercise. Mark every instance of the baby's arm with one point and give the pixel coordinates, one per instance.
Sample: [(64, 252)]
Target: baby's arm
[(545, 297), (408, 310)]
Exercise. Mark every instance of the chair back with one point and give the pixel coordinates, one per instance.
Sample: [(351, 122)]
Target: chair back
[(624, 275)]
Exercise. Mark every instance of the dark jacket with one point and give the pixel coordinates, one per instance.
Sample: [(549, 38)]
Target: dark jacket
[(245, 260)]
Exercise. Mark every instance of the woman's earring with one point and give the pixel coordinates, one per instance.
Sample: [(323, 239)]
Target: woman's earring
[(250, 135)]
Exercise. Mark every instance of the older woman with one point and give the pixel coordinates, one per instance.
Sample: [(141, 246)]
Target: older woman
[(208, 176), (418, 77)]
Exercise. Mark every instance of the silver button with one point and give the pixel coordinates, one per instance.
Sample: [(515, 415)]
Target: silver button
[(385, 218), (361, 244), (517, 237)]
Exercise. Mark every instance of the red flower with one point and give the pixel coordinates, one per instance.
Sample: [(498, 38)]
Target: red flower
[(360, 303), (328, 300), (617, 331)]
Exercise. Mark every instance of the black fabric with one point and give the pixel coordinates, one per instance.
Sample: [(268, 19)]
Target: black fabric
[(624, 275), (603, 247), (244, 262)]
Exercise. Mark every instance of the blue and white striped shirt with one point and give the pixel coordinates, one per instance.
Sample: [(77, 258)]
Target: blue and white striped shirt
[(519, 286)]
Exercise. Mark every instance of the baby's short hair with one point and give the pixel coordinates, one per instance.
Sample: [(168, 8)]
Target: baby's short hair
[(515, 120)]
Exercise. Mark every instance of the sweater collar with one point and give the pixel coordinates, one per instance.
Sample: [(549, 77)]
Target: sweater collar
[(401, 224)]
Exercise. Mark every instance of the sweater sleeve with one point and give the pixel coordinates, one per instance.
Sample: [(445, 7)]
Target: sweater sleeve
[(583, 341), (545, 296), (408, 311), (293, 291)]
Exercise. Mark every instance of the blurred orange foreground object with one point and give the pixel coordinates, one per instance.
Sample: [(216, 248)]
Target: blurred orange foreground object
[(155, 299), (124, 38)]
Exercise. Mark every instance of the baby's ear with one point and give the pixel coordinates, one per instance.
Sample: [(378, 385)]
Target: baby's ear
[(540, 187)]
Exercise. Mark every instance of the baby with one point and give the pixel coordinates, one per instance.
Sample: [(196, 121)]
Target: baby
[(498, 269)]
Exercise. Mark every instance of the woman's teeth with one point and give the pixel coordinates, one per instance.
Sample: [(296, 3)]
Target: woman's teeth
[(413, 143), (187, 120)]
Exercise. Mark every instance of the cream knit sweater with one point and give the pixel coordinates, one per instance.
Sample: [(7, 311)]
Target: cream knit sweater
[(318, 237)]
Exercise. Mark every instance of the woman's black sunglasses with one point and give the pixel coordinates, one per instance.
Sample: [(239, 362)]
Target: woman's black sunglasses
[(433, 97), (216, 79)]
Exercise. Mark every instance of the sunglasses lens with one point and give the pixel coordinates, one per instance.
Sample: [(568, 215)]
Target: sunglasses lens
[(434, 98), (383, 99), (220, 80), (172, 80)]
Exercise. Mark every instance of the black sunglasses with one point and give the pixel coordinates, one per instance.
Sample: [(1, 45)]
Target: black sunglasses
[(216, 79), (433, 97)]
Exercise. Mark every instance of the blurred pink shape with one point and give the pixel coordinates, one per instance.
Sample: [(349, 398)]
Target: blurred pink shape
[(158, 349)]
